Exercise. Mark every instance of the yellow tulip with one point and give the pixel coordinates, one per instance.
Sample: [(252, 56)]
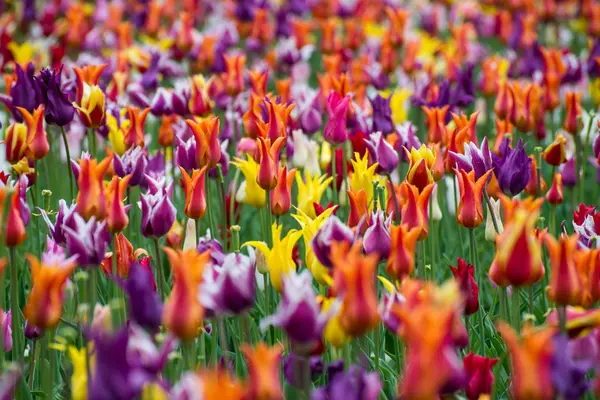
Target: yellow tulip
[(116, 132), (310, 192), (363, 176), (251, 193)]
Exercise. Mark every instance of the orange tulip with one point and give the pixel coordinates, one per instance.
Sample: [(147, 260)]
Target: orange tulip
[(279, 115), (414, 211), (530, 361), (401, 261), (37, 141), (469, 123), (470, 208), (90, 74), (268, 162), (556, 193), (281, 196), (588, 268), (234, 75), (565, 283), (252, 116), (532, 188), (574, 111), (45, 301), (354, 280), (200, 103), (116, 216), (183, 312), (504, 102), (358, 207), (135, 134), (555, 153), (125, 256), (218, 384), (195, 194), (525, 106), (91, 200), (16, 142), (14, 232), (263, 368), (435, 122), (258, 82), (208, 148), (395, 32), (166, 133)]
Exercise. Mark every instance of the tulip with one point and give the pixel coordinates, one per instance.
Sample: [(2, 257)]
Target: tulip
[(290, 369), (183, 312), (116, 212), (420, 168), (504, 101), (401, 261), (134, 136), (298, 313), (132, 163), (281, 196), (573, 113), (525, 106), (377, 239), (556, 193), (276, 127), (269, 162), (279, 257), (63, 216), (87, 240), (91, 200), (571, 364), (359, 207), (45, 301), (229, 287), (555, 154), (382, 153), (209, 384), (354, 282), (533, 186), (332, 231), (263, 369), (23, 92), (206, 133), (195, 194), (335, 131), (480, 379), (436, 125), (16, 220), (565, 283), (234, 77), (414, 212), (123, 251), (518, 259), (37, 142), (250, 192), (6, 326), (382, 115), (490, 229), (91, 107), (200, 103), (512, 168), (530, 366), (464, 275), (474, 159), (16, 142), (363, 176), (310, 191), (158, 213), (470, 208), (588, 269), (310, 115), (144, 305), (353, 383), (570, 172), (58, 110)]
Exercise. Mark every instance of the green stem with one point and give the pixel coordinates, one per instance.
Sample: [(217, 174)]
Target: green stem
[(562, 318), (460, 238), (161, 271), (474, 256), (502, 301), (516, 308), (210, 205), (396, 202), (377, 340), (223, 340), (469, 335), (582, 158), (221, 186), (17, 333), (46, 382), (71, 179), (213, 345), (235, 237), (491, 210), (202, 340), (336, 197), (189, 355), (530, 299)]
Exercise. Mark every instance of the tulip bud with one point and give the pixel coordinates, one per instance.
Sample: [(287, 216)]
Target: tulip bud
[(281, 200), (401, 261), (490, 229), (573, 113), (464, 274), (15, 142), (335, 131), (556, 194), (195, 194), (555, 154)]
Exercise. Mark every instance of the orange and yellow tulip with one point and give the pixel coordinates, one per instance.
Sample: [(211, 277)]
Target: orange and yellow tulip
[(401, 261), (91, 200), (420, 166), (234, 75), (37, 141), (565, 287), (135, 134), (555, 153), (116, 215), (470, 208), (359, 207), (556, 193), (414, 210), (263, 368), (195, 194), (14, 231), (573, 113), (206, 133), (436, 127), (268, 162)]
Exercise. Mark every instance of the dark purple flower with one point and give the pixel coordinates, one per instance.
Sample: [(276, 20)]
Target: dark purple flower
[(145, 308), (354, 384), (293, 369), (32, 332), (205, 243), (116, 376), (298, 313), (28, 11), (574, 72), (161, 103), (149, 78), (377, 237), (133, 162), (87, 240), (185, 155), (310, 115), (381, 152), (23, 92), (180, 99), (569, 172), (158, 212), (512, 168), (464, 92), (382, 115), (229, 287), (568, 369), (57, 108), (592, 67), (475, 159), (155, 168), (56, 230), (332, 230)]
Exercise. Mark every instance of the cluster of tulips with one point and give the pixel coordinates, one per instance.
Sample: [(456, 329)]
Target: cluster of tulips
[(312, 199)]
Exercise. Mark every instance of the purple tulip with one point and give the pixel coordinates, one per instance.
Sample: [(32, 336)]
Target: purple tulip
[(143, 353), (55, 254), (57, 108), (474, 159), (407, 137), (32, 332), (88, 240), (512, 168), (299, 314), (377, 237), (382, 115), (8, 381), (149, 80), (7, 341), (133, 162), (23, 92), (382, 152), (310, 115), (569, 172), (155, 168), (186, 153), (229, 287), (145, 308), (158, 212), (354, 384), (388, 302), (180, 98), (161, 103), (592, 67), (569, 369), (205, 243), (464, 92), (29, 11), (335, 131), (332, 230), (292, 364), (117, 375), (64, 213), (23, 182)]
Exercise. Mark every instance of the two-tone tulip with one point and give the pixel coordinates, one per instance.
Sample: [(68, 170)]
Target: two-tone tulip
[(566, 287), (195, 193), (470, 208), (401, 261), (158, 212), (556, 193), (281, 196), (268, 169), (464, 275), (573, 112), (555, 153), (116, 211), (436, 123), (91, 200), (414, 211), (134, 136), (421, 162), (208, 148), (37, 141)]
